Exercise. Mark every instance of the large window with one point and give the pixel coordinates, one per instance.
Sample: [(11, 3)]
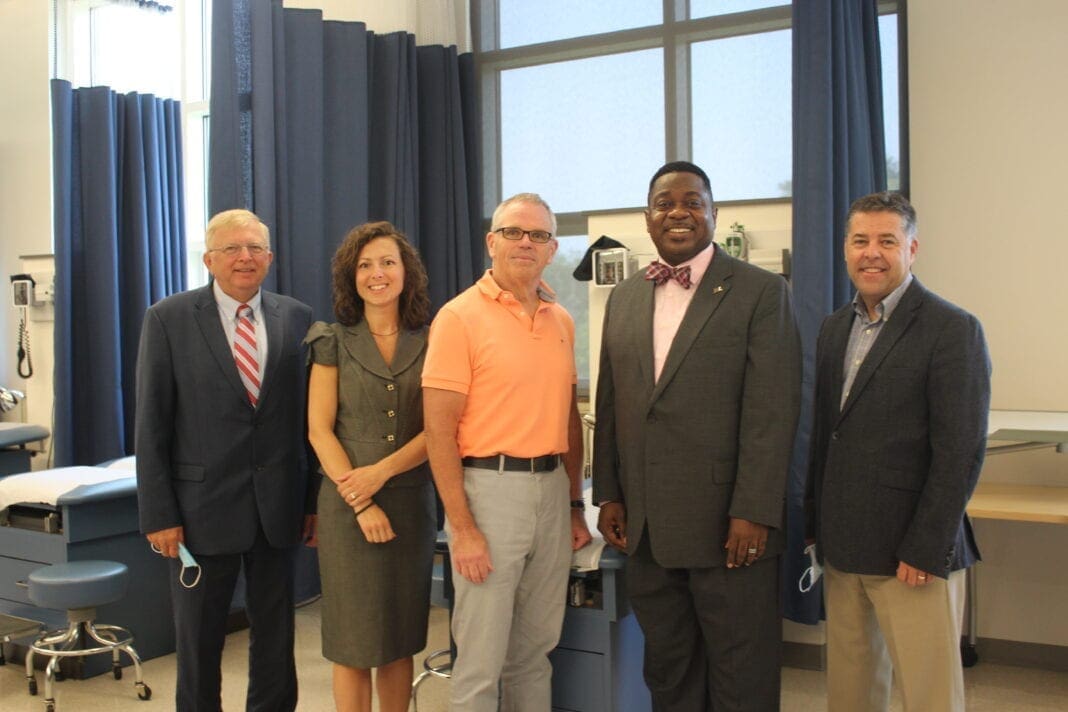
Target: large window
[(742, 114), (583, 100), (572, 294), (550, 114), (130, 48), (581, 104), (888, 45)]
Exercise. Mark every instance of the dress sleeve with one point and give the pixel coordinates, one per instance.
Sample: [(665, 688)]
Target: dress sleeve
[(322, 343)]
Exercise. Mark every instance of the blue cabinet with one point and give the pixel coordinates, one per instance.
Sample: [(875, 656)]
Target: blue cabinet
[(597, 666)]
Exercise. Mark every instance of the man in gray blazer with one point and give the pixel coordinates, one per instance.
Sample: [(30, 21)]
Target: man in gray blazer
[(221, 460), (697, 403), (901, 404)]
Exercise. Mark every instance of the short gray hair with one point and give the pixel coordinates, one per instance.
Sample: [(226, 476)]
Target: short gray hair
[(886, 202), (532, 198), (236, 219)]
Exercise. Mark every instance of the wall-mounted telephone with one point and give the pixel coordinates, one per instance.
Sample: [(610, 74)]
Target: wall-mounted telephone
[(32, 290), (23, 296), (22, 290)]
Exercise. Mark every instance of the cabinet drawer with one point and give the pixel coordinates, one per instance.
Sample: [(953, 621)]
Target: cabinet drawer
[(586, 629), (12, 570), (578, 681), (26, 544)]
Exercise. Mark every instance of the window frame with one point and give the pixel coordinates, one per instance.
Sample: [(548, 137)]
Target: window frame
[(674, 36)]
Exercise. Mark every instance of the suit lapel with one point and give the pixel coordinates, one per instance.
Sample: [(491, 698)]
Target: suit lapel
[(275, 322), (837, 341), (410, 345), (643, 331), (706, 300), (889, 335), (207, 317), (361, 346), (632, 304)]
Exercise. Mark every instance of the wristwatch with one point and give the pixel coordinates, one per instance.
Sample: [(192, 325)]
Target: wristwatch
[(578, 504)]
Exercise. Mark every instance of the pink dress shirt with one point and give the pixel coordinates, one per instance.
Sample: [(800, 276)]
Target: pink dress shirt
[(671, 301)]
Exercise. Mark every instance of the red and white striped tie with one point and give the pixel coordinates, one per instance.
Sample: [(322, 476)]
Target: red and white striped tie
[(245, 351)]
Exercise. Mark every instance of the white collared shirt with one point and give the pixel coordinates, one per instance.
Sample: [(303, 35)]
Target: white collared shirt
[(865, 331)]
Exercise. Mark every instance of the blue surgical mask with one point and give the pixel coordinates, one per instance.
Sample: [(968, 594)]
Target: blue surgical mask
[(188, 562), (812, 574)]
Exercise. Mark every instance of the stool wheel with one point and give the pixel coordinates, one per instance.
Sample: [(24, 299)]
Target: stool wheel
[(60, 677), (116, 670), (144, 692), (33, 687), (969, 656), (50, 707), (437, 664)]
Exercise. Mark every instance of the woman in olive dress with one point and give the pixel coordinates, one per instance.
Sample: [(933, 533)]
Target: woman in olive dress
[(365, 420)]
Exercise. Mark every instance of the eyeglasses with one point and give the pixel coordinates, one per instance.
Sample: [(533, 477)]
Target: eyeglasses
[(235, 250), (514, 233)]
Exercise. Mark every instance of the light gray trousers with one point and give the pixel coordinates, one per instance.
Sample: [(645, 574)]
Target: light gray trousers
[(505, 627)]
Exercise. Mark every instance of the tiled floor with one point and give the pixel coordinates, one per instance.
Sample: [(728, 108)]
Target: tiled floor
[(990, 688)]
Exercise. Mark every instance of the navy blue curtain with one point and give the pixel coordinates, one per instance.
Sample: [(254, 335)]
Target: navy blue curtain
[(120, 246), (319, 126), (839, 155)]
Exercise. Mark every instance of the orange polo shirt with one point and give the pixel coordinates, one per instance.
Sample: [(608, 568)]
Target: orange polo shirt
[(517, 376)]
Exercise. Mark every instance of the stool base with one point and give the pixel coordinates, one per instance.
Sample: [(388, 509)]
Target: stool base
[(437, 664), (63, 643)]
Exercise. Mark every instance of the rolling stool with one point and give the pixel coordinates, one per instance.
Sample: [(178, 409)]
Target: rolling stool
[(439, 663), (79, 587)]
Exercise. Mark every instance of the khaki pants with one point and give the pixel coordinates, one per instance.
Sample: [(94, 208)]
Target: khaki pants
[(876, 621), (506, 626)]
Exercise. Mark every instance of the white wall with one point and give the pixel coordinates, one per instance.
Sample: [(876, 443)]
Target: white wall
[(987, 114), (25, 174), (988, 106)]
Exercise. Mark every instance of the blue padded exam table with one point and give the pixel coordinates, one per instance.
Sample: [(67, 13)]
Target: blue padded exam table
[(14, 437)]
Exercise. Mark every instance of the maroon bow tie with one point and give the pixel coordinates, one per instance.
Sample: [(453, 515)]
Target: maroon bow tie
[(659, 273)]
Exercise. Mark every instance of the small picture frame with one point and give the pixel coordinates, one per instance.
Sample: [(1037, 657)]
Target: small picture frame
[(610, 266)]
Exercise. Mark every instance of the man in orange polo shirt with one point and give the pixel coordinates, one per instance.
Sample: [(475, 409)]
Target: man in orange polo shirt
[(505, 445)]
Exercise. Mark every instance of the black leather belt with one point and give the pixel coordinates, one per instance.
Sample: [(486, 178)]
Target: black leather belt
[(545, 463)]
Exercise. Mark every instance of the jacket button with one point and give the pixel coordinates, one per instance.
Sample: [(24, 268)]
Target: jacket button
[(390, 438), (834, 435), (390, 387), (391, 413)]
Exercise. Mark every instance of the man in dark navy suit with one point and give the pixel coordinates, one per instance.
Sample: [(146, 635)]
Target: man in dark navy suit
[(221, 460)]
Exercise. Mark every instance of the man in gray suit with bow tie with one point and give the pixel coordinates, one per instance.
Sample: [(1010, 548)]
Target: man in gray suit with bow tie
[(222, 464), (901, 404), (697, 403)]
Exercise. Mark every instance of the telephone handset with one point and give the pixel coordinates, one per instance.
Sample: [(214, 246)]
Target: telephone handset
[(23, 297), (25, 365)]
